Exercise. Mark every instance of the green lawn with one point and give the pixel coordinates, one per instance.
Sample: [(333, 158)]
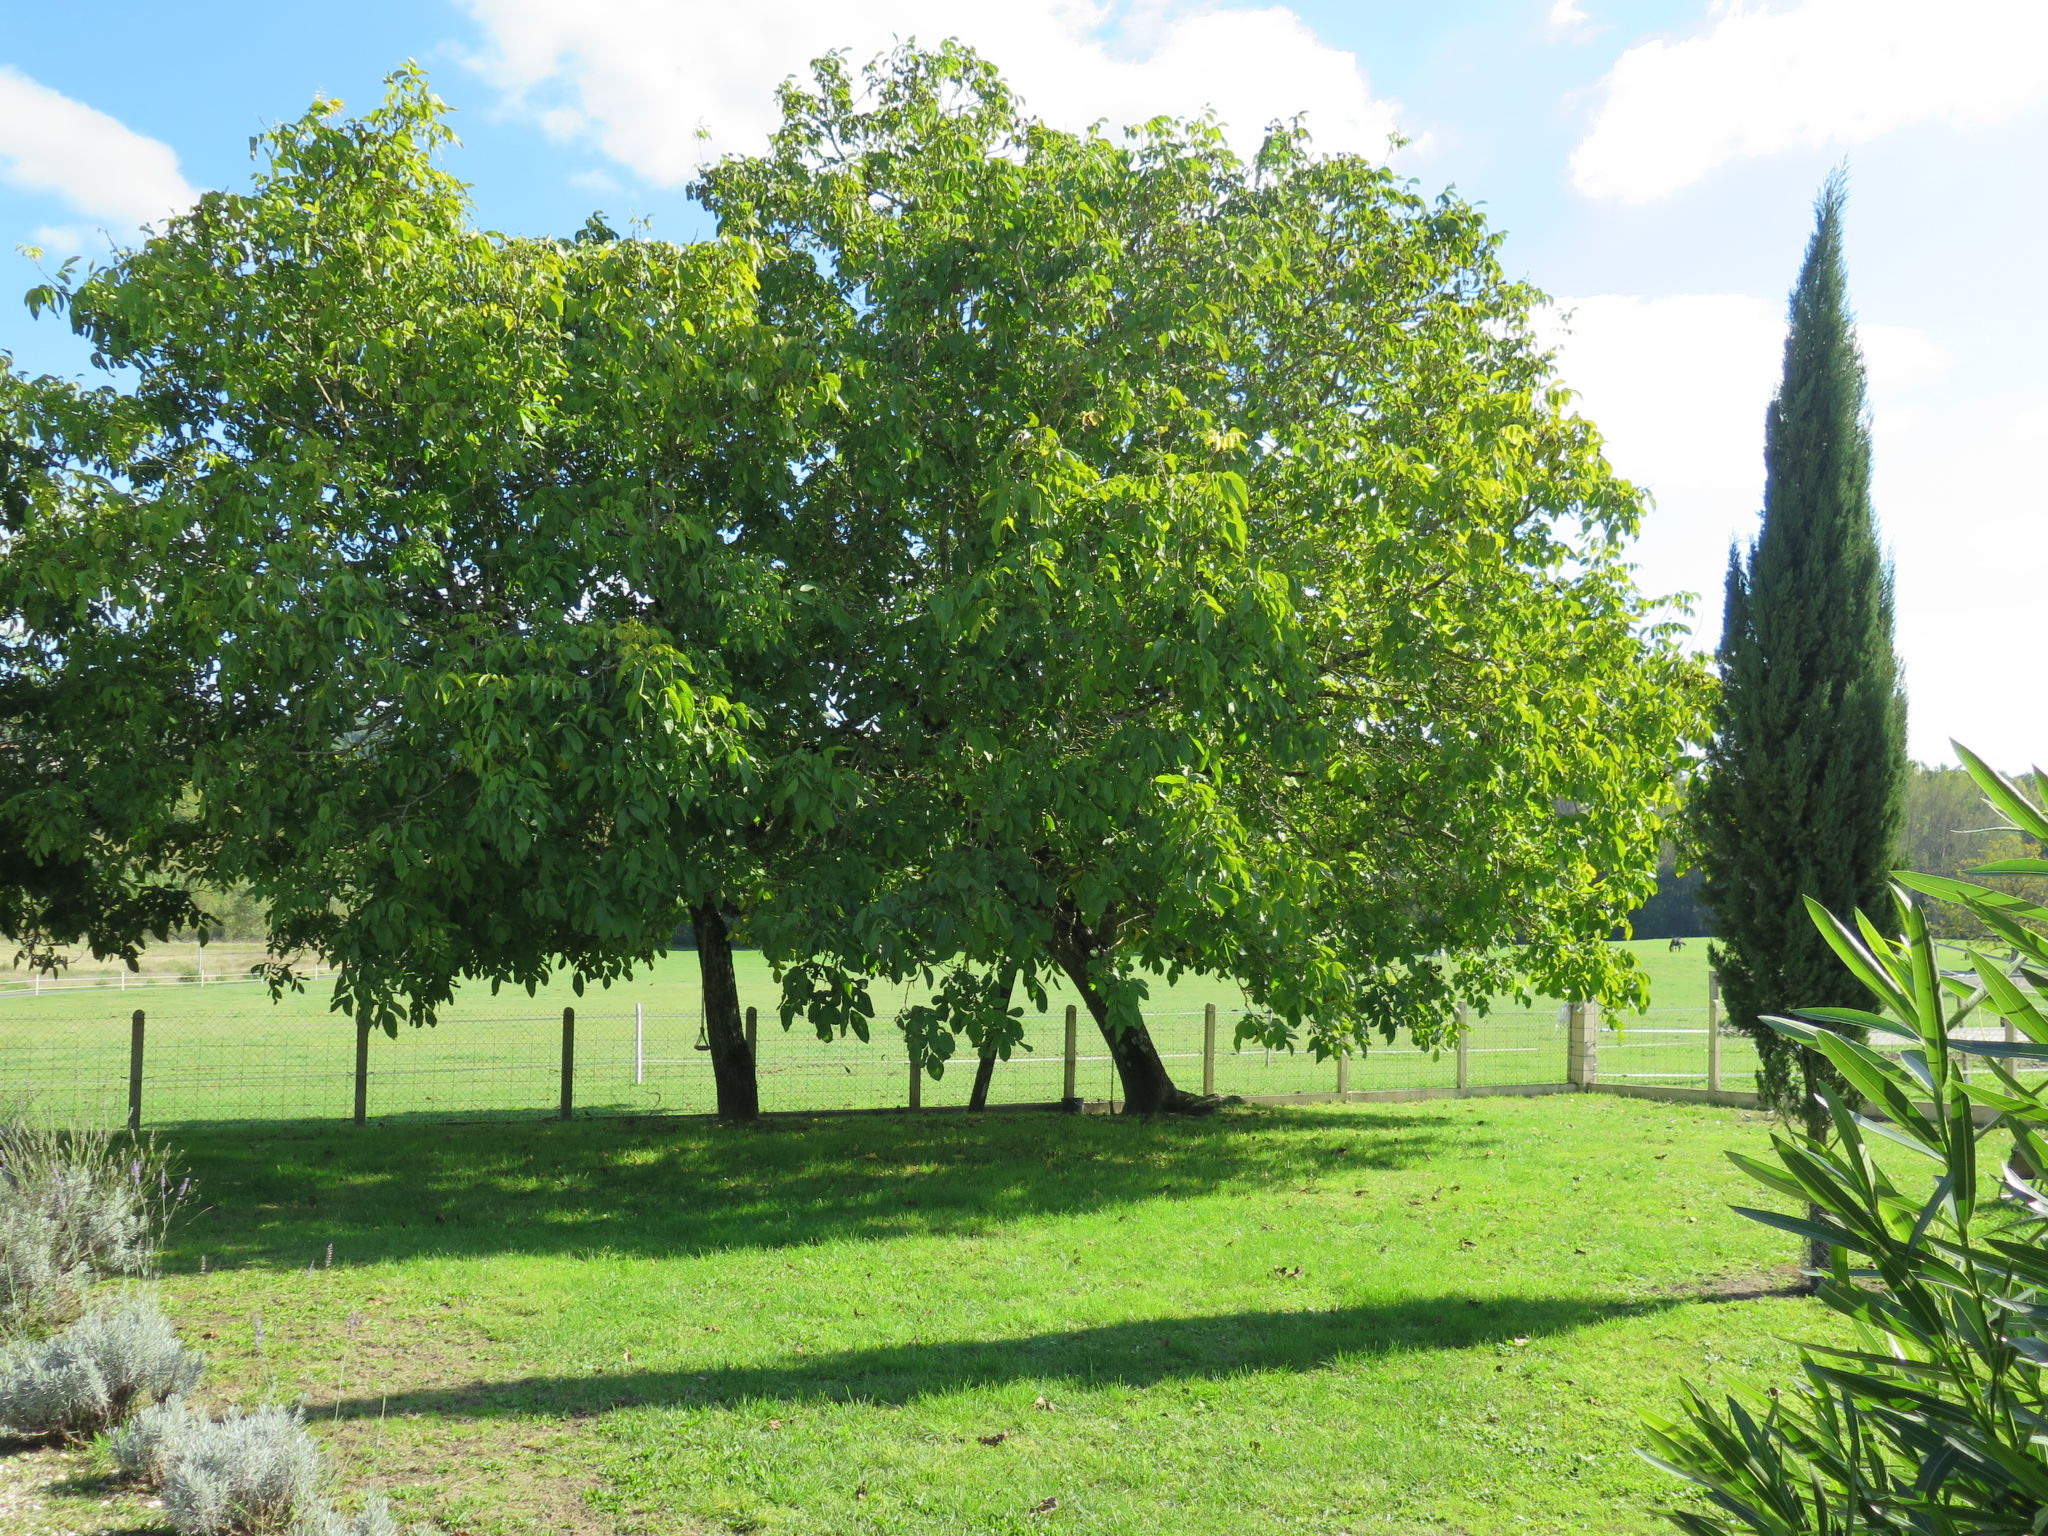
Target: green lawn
[(228, 1052), (1433, 1317)]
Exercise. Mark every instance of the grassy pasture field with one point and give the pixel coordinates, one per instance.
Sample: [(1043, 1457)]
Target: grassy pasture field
[(228, 1051), (1439, 1317)]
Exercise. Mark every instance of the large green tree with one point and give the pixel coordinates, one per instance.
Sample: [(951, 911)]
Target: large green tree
[(458, 533), (1241, 594), (1803, 792)]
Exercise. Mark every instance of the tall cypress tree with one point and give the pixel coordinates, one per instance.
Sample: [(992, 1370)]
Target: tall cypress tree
[(1806, 776)]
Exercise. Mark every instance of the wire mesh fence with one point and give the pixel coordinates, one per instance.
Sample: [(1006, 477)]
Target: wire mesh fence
[(227, 1051)]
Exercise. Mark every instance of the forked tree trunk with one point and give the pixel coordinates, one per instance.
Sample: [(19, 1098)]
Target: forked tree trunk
[(732, 1063), (985, 1068)]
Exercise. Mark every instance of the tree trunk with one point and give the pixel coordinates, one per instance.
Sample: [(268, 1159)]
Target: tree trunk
[(732, 1064), (1148, 1089), (985, 1068)]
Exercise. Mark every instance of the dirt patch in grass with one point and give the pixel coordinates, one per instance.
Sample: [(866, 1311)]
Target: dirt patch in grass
[(1780, 1281)]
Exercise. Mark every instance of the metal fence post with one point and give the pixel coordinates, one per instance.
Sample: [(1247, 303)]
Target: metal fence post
[(362, 1071), (135, 1071), (1582, 1046), (1464, 1048), (1073, 1092), (1208, 1049), (639, 1044), (568, 1062), (1713, 1031)]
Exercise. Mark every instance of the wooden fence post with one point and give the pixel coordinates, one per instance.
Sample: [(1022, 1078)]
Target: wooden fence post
[(1072, 1096), (754, 1034), (1582, 1046), (568, 1062), (1343, 1073), (1713, 1031), (362, 1071), (1464, 1047), (135, 1071), (916, 1084), (1208, 1050)]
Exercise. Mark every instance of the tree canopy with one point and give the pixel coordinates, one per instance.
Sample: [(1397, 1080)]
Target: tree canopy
[(1244, 595), (999, 552)]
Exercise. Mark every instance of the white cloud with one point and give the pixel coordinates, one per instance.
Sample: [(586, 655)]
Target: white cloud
[(1679, 386), (1567, 16), (642, 77), (95, 163), (1822, 72)]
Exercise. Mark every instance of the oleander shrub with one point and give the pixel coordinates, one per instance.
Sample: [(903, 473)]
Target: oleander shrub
[(255, 1473), (76, 1204), (111, 1363), (1931, 1422)]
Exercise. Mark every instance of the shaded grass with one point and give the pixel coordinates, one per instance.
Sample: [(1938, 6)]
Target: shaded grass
[(1437, 1317)]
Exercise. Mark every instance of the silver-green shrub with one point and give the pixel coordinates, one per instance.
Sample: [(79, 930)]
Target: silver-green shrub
[(75, 1203), (250, 1474), (374, 1519), (109, 1364), (142, 1448)]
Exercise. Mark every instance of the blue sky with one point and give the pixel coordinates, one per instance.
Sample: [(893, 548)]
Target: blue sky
[(1653, 162)]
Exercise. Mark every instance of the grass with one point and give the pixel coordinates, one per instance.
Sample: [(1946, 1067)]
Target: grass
[(227, 1051), (1436, 1317)]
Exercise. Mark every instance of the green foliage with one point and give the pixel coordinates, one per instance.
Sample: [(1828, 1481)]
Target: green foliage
[(96, 710), (1226, 554), (1931, 1420), (444, 522), (1947, 830), (1802, 794)]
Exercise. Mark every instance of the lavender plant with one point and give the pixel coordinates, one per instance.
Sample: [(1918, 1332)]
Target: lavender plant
[(257, 1473), (75, 1204), (110, 1364)]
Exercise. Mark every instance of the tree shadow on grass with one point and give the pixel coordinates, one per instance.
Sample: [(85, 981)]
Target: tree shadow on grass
[(1134, 1354), (653, 1188)]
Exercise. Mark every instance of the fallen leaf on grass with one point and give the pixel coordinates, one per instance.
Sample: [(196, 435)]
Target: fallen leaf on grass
[(775, 1423), (861, 1492), (1287, 1273), (1466, 1242), (995, 1439), (1042, 1402), (1045, 1506)]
